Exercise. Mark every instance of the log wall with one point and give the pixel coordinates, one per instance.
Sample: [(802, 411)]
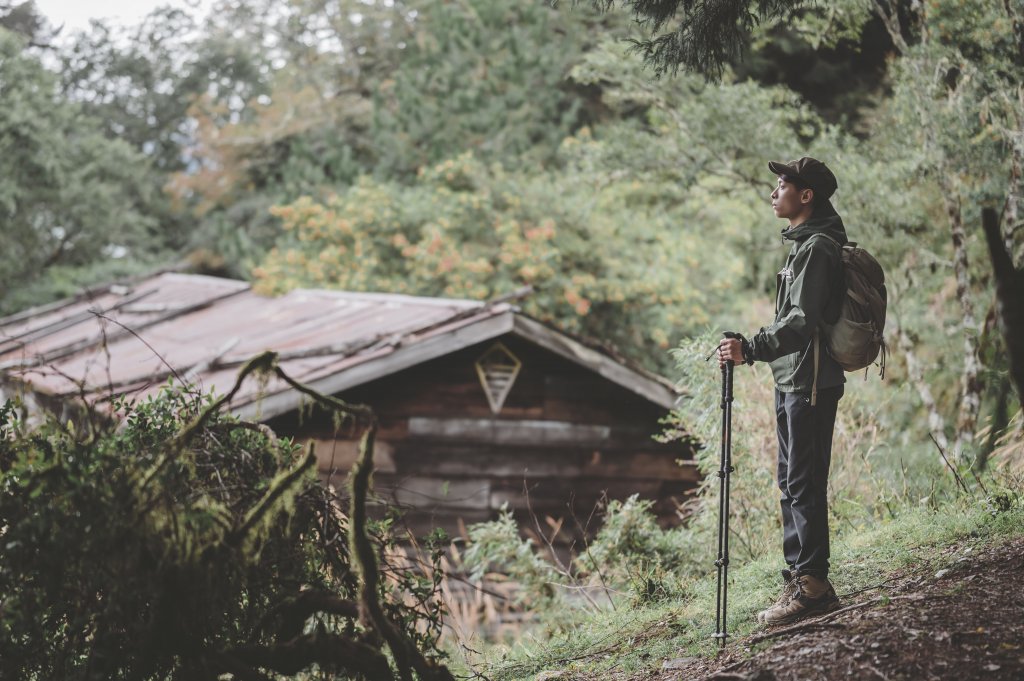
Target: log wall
[(564, 438)]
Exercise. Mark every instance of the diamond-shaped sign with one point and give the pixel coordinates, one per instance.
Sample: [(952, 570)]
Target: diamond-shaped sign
[(497, 369)]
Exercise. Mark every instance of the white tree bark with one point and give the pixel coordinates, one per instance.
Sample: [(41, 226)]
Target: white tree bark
[(970, 378), (936, 423), (1011, 215)]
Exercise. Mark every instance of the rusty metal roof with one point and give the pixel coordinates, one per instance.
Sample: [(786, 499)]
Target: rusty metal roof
[(199, 329)]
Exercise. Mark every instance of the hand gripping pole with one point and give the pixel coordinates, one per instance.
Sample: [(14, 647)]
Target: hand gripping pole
[(725, 468)]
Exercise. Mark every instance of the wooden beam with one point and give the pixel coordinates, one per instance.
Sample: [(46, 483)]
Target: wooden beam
[(427, 492), (500, 432), (540, 463)]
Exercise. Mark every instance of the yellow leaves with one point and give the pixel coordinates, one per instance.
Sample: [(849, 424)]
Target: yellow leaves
[(479, 266), (545, 231), (447, 264), (434, 243), (580, 304)]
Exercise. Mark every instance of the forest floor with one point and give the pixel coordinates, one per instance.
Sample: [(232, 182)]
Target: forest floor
[(962, 622)]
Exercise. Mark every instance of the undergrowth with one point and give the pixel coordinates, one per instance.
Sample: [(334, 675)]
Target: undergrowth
[(640, 636)]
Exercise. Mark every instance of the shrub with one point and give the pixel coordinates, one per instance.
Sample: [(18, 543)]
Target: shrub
[(188, 544)]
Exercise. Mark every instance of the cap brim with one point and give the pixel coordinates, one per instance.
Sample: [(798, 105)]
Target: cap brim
[(780, 168)]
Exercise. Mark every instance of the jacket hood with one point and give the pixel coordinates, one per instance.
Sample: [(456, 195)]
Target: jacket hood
[(830, 225)]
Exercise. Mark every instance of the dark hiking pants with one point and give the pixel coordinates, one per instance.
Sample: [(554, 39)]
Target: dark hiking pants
[(805, 452)]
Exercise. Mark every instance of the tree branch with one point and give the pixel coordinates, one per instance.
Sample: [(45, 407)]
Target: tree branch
[(294, 612), (331, 651)]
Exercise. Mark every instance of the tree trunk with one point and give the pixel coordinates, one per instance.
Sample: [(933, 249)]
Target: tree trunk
[(1011, 214), (970, 379), (936, 424), (888, 12), (1009, 293)]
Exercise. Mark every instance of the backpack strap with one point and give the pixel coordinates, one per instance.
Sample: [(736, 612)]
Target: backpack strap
[(839, 245), (817, 332)]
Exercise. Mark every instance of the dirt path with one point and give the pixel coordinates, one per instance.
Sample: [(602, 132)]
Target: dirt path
[(962, 623)]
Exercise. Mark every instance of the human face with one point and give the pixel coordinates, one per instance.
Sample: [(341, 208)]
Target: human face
[(791, 202)]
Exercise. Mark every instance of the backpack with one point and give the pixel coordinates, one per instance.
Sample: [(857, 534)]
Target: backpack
[(855, 340)]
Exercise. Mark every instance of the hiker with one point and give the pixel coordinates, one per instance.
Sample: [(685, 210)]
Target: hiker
[(808, 381)]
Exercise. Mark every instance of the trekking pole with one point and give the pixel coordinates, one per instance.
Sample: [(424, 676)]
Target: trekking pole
[(724, 469)]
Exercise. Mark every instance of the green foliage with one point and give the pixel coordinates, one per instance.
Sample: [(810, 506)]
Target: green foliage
[(485, 76), (68, 196), (496, 545), (469, 230), (630, 545), (140, 553)]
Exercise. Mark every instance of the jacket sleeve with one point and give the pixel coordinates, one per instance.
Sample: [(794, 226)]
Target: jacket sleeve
[(808, 295)]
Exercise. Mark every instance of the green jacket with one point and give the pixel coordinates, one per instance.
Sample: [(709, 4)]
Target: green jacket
[(810, 292)]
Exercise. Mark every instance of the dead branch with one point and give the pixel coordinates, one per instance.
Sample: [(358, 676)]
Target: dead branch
[(959, 481)]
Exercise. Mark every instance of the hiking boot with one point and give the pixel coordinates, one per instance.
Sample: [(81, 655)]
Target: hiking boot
[(788, 591), (810, 596)]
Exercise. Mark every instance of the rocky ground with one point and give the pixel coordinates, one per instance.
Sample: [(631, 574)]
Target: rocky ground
[(962, 622)]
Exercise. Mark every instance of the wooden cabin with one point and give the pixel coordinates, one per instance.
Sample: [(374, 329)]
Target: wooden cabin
[(480, 406)]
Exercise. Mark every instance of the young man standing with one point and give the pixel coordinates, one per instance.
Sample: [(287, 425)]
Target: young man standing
[(808, 382)]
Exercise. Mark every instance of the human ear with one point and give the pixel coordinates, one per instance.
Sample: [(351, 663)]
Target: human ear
[(807, 196)]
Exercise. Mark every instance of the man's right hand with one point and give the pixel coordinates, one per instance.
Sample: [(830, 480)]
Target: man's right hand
[(730, 350)]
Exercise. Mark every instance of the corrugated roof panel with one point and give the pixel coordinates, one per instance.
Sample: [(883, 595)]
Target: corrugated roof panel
[(328, 324), (206, 328), (136, 307)]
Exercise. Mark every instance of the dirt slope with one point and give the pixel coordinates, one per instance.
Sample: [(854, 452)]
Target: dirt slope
[(960, 623)]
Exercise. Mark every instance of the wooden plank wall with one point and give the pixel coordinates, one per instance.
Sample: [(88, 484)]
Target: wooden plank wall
[(564, 439)]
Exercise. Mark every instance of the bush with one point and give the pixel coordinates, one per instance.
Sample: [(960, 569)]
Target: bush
[(188, 544)]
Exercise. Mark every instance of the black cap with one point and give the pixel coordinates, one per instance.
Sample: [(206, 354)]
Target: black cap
[(809, 172)]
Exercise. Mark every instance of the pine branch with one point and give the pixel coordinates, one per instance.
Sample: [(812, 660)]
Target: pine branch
[(707, 34)]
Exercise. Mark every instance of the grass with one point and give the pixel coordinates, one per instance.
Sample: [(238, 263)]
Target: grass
[(632, 640)]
